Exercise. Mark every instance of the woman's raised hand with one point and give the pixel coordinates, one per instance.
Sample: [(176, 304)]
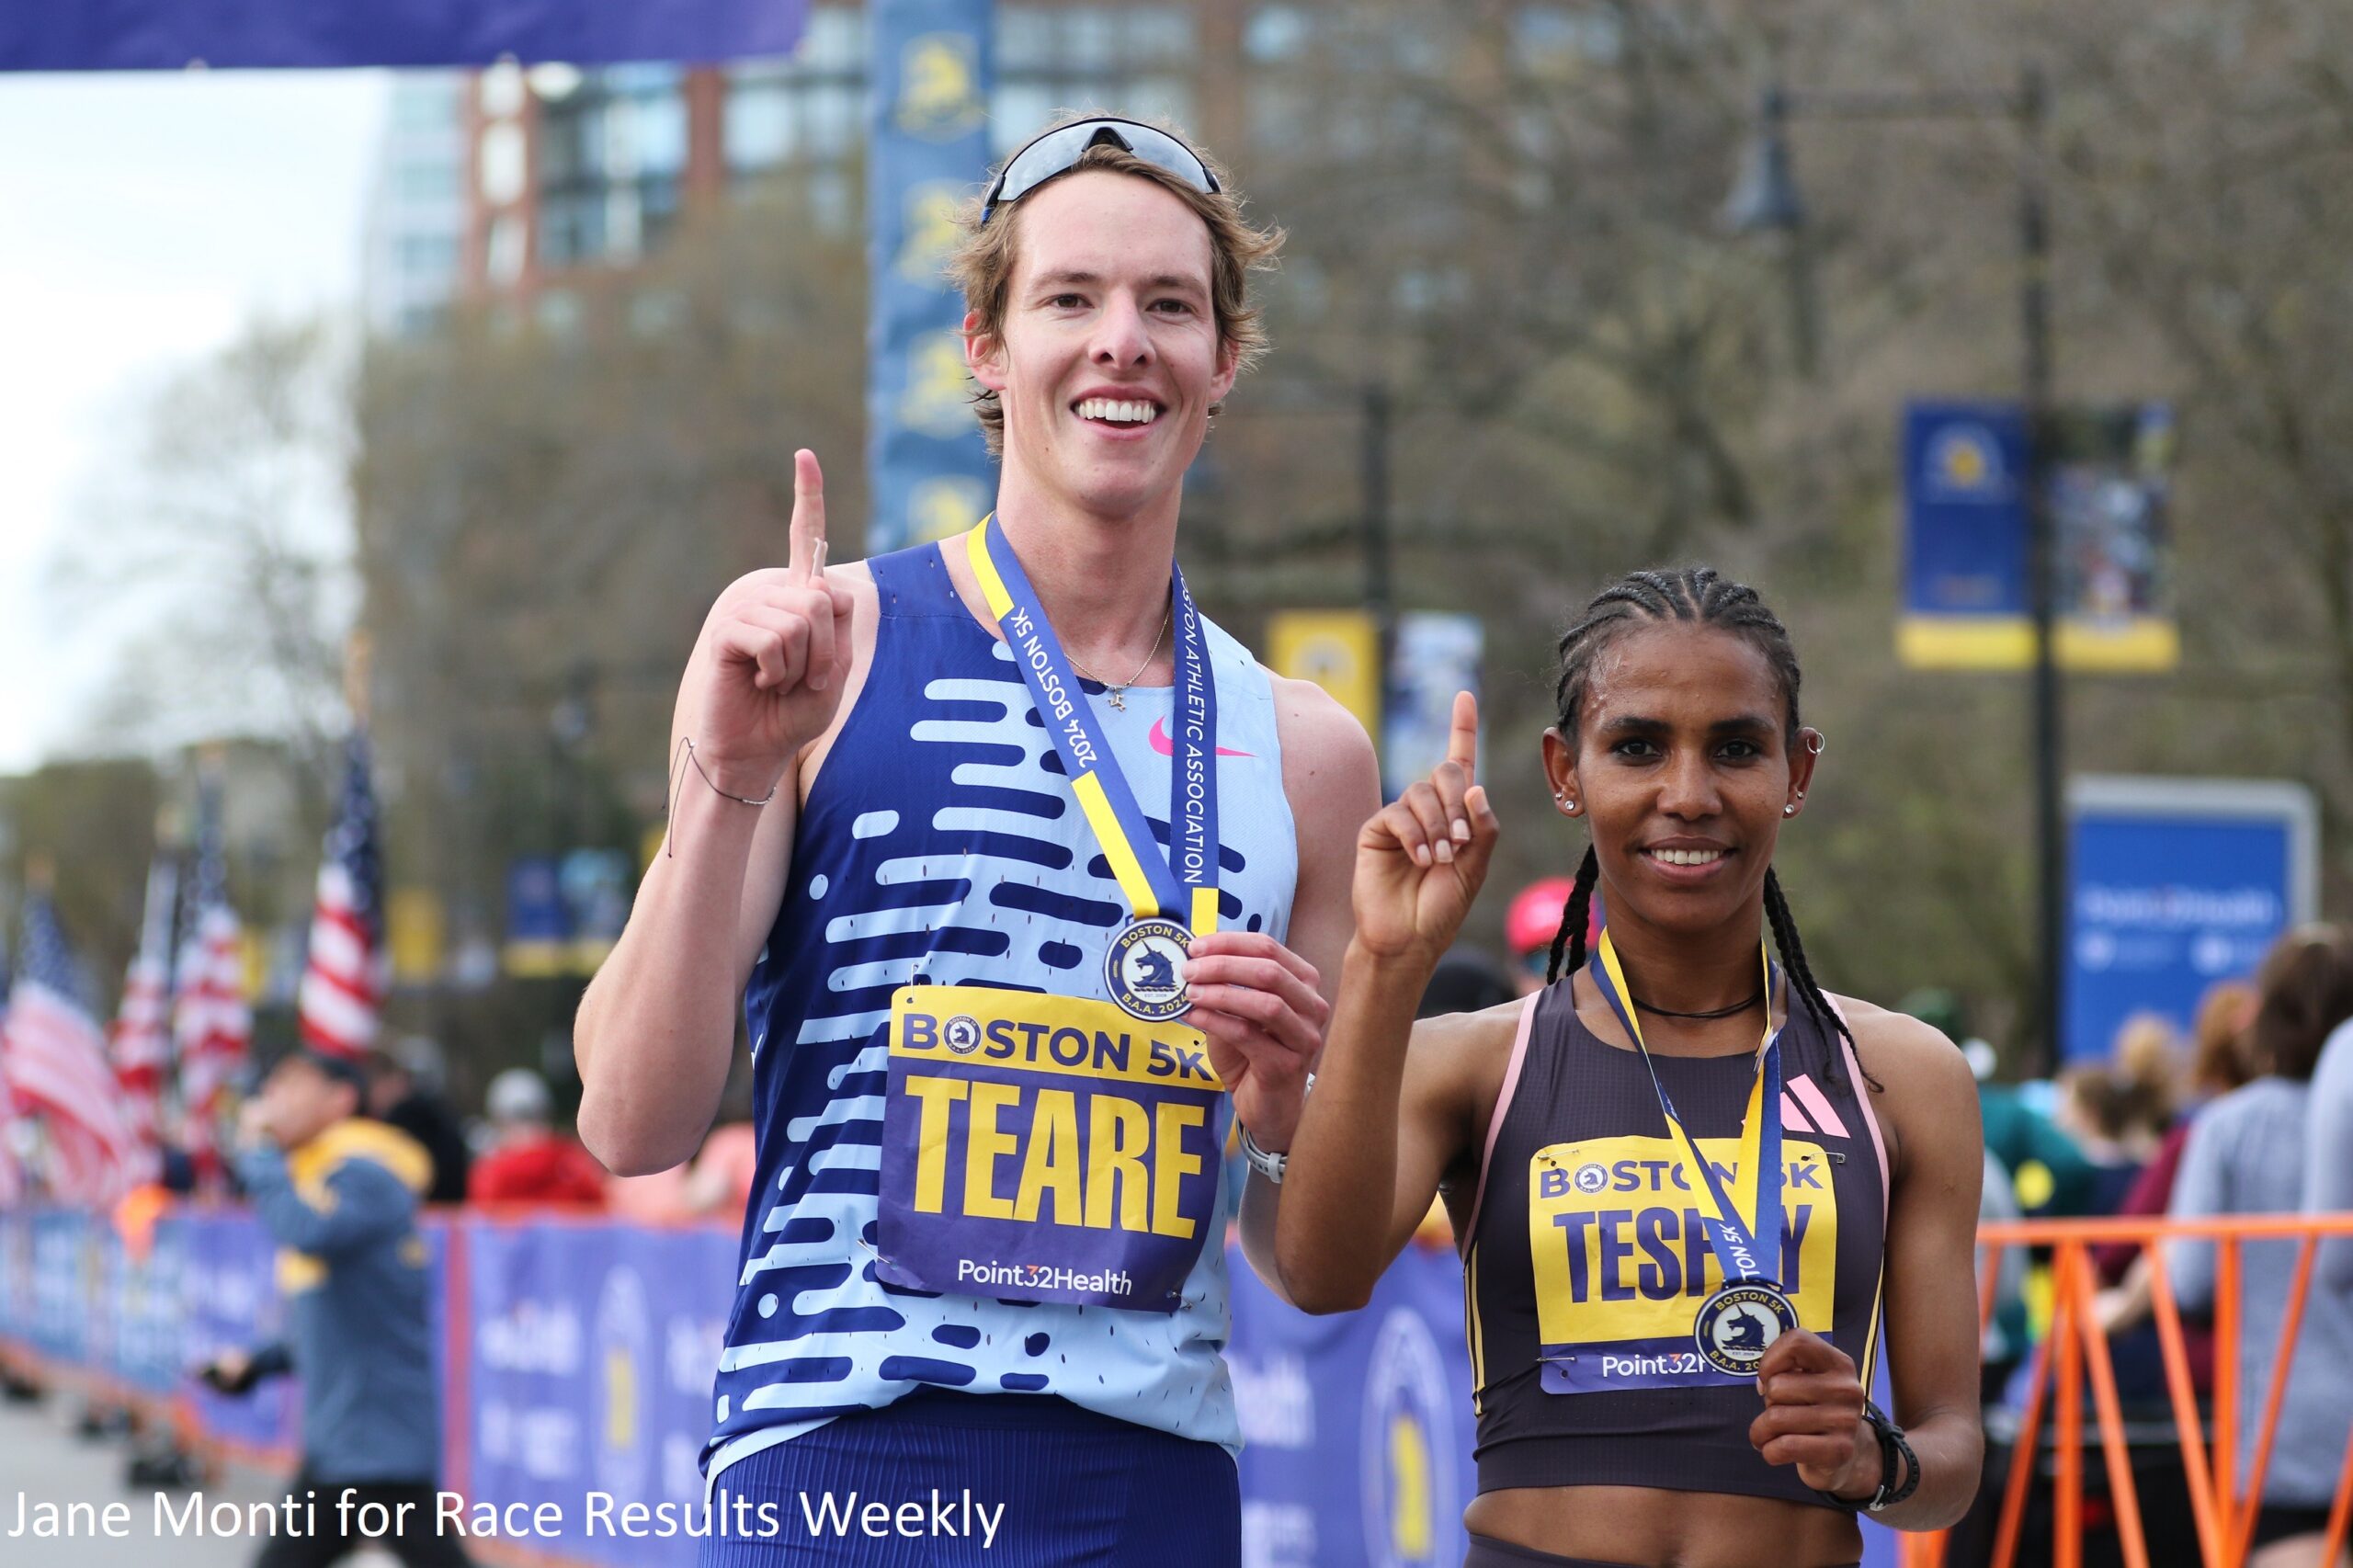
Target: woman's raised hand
[(1420, 860)]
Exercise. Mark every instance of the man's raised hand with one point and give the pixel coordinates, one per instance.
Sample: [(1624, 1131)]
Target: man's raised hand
[(768, 672), (1421, 858)]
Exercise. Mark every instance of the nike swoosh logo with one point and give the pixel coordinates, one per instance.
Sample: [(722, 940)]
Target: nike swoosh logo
[(1165, 745)]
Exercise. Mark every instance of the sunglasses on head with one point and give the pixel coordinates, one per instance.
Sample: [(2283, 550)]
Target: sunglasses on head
[(1059, 149)]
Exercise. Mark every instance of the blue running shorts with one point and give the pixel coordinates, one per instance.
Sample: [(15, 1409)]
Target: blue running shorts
[(1060, 1486)]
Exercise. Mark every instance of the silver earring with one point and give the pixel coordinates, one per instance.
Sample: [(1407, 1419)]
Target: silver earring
[(1789, 811)]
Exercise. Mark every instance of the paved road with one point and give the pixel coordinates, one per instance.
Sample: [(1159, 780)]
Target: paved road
[(42, 1461)]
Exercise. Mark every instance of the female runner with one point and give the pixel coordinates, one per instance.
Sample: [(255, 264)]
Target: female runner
[(1659, 1379)]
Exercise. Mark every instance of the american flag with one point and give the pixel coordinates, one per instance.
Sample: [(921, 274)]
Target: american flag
[(211, 1022), (12, 1174), (140, 1042), (57, 1067), (342, 984)]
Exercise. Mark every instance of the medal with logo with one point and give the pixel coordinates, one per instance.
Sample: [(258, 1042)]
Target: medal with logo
[(1735, 1324), (1143, 971)]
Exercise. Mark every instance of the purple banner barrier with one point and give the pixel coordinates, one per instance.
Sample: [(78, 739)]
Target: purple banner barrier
[(577, 1379), (1356, 1428), (591, 1354), (229, 1294)]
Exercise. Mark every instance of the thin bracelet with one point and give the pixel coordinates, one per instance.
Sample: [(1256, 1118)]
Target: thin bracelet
[(688, 741), (677, 772)]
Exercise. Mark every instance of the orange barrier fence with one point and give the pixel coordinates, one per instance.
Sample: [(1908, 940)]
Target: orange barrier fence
[(2224, 1468)]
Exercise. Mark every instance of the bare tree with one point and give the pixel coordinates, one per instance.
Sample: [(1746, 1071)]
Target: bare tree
[(218, 549)]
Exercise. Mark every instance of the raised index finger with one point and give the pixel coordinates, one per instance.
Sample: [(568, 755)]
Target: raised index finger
[(808, 517), (1463, 740)]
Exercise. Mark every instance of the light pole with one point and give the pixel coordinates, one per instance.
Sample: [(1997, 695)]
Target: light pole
[(1767, 200)]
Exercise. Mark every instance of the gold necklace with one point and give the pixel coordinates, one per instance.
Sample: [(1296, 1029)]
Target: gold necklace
[(1117, 695)]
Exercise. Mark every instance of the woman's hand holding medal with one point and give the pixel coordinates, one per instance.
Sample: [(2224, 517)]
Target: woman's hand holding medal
[(769, 669), (1421, 858), (1814, 1417)]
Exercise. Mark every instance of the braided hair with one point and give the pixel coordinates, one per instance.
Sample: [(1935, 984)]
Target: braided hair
[(1697, 595)]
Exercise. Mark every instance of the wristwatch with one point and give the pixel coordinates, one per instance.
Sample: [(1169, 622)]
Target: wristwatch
[(1268, 1165), (1896, 1460), (1271, 1166)]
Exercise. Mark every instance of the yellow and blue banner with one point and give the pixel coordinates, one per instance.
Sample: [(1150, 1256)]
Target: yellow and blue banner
[(926, 151), (1968, 469), (1338, 650)]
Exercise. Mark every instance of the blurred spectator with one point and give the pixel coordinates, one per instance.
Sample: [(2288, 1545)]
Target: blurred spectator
[(339, 1196), (1530, 925), (2145, 1071), (528, 1161), (1466, 980), (2328, 1156), (2095, 1110), (2049, 1175), (719, 1180), (2247, 1155), (406, 1085), (658, 1198), (717, 1183), (2007, 1335), (2220, 1047), (2218, 1063)]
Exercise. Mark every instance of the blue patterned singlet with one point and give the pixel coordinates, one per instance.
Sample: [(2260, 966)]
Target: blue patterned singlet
[(941, 844)]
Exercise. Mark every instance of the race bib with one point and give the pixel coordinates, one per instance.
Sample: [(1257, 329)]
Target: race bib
[(1042, 1148), (1625, 1273)]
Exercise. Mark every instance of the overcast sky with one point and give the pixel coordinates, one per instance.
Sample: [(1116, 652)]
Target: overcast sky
[(146, 216)]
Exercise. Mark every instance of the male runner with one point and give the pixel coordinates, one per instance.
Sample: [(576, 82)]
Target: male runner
[(941, 818)]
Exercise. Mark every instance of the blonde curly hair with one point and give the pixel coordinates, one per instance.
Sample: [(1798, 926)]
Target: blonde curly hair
[(982, 264)]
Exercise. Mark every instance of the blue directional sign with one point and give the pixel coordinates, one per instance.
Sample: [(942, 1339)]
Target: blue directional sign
[(2177, 883)]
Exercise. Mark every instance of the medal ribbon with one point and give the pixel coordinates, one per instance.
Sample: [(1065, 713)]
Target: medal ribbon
[(1182, 885), (1748, 1246)]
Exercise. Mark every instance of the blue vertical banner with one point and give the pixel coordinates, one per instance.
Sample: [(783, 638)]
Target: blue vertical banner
[(1434, 656), (1965, 530), (927, 149), (1968, 476), (2178, 883)]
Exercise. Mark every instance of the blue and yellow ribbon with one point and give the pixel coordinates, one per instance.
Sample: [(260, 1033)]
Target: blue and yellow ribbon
[(1182, 885), (1747, 1245)]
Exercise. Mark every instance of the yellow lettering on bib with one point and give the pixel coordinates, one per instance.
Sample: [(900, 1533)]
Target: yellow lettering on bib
[(1028, 1108), (1619, 1252)]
